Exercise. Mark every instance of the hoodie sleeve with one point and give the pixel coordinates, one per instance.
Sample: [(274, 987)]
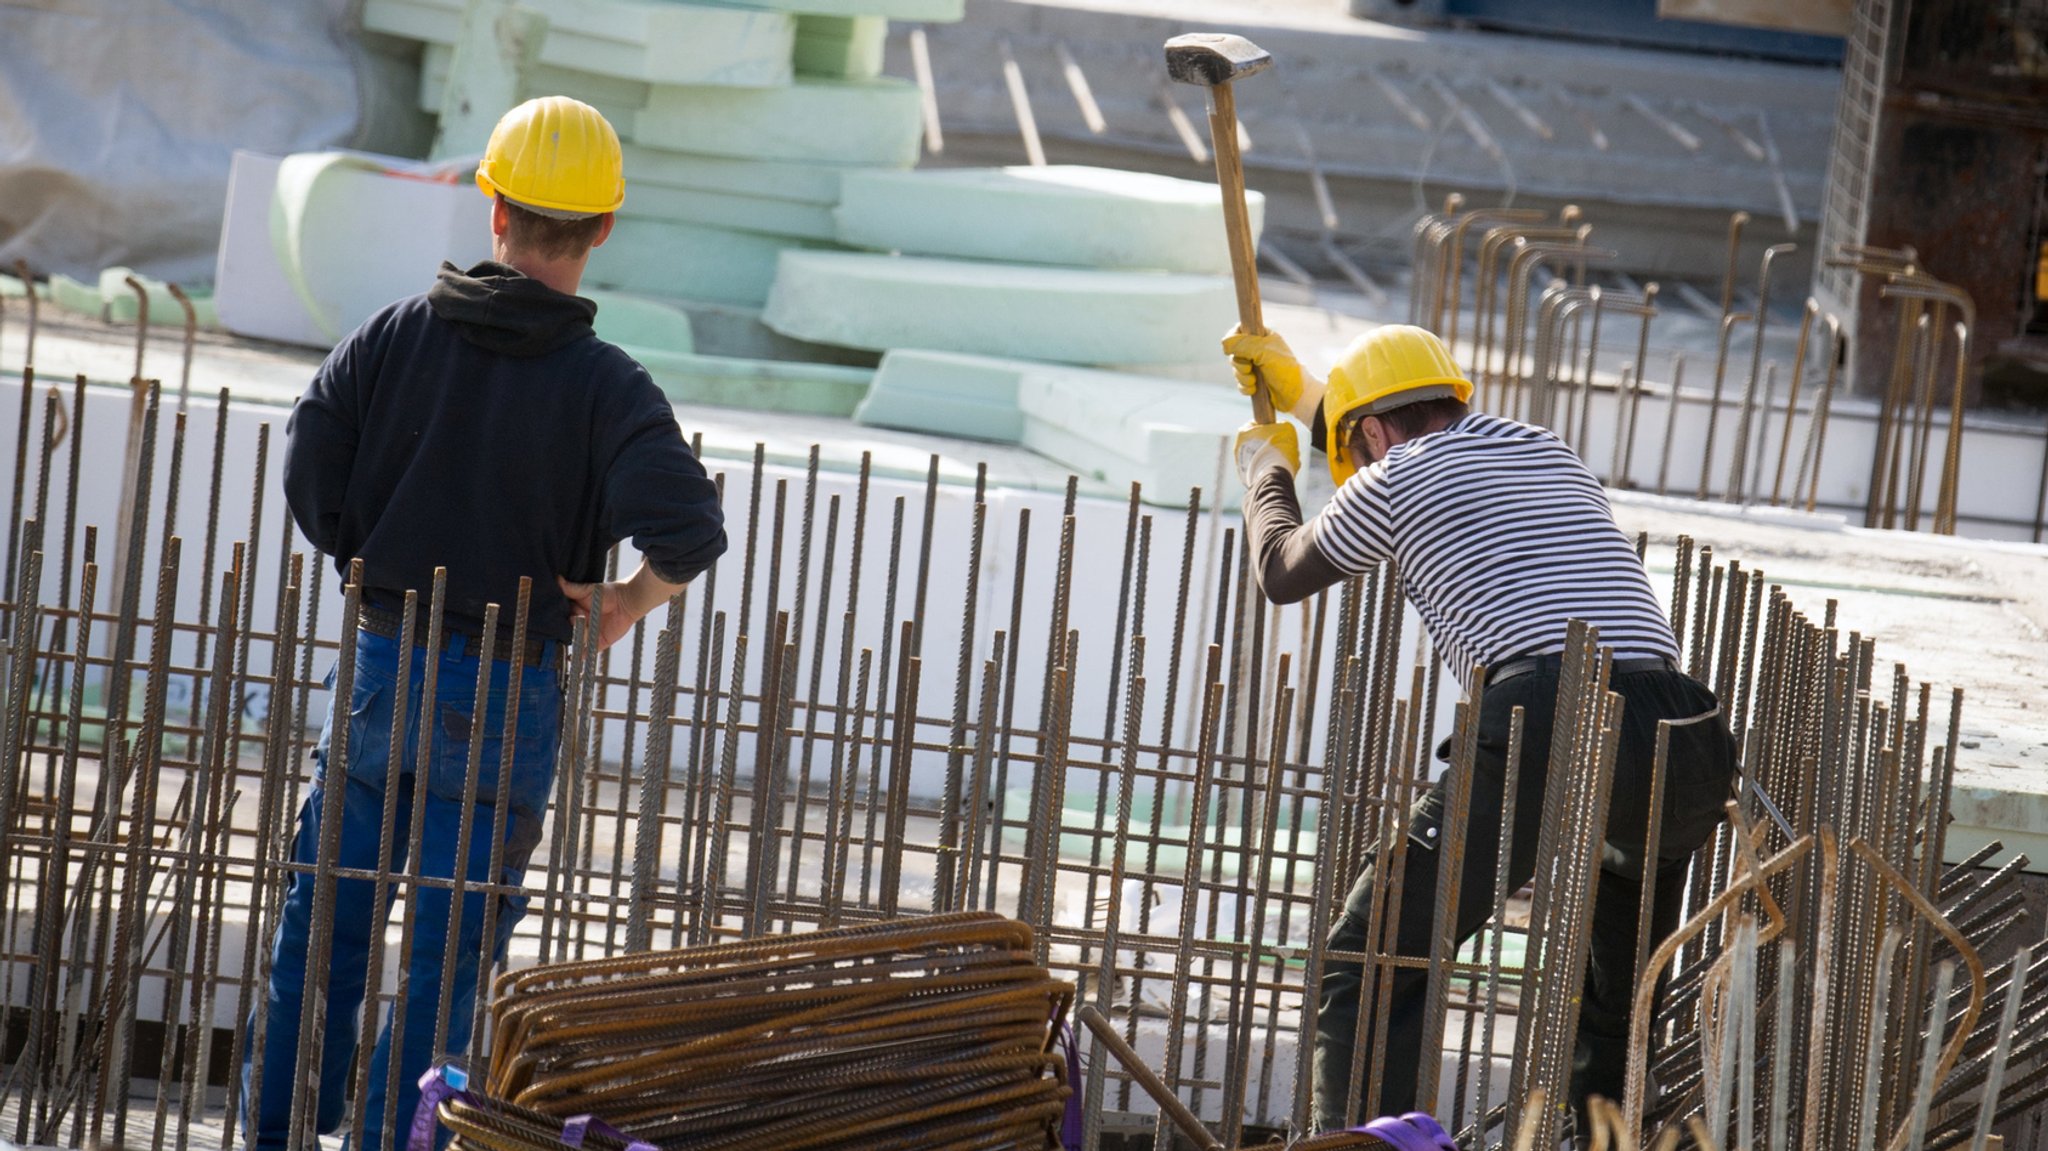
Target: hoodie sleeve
[(320, 442), (655, 492)]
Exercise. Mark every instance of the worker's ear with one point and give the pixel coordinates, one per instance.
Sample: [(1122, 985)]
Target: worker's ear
[(1374, 433), (501, 219), (604, 230)]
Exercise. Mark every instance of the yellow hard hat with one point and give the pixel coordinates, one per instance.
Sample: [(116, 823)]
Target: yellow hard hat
[(556, 155), (1384, 369)]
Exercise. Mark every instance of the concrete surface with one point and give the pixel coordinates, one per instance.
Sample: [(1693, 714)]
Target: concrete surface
[(1964, 614), (1332, 83)]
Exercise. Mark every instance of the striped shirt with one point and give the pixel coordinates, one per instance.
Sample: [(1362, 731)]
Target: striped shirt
[(1501, 536)]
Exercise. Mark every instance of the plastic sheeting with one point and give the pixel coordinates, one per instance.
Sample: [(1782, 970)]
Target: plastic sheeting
[(119, 118)]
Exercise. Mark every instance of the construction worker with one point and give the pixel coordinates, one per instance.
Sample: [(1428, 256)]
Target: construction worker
[(485, 428), (1500, 536)]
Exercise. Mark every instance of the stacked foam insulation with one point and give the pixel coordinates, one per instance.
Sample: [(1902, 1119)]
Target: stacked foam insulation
[(659, 335), (1112, 427), (1000, 293), (1068, 264), (112, 300), (739, 121)]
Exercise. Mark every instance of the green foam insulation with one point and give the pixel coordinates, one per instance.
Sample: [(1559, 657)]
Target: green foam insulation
[(639, 322), (762, 385), (654, 41), (838, 121), (946, 394), (111, 299), (660, 335), (690, 261), (1064, 214), (1111, 427), (804, 183), (726, 210), (840, 47), (616, 99), (919, 11), (1072, 315)]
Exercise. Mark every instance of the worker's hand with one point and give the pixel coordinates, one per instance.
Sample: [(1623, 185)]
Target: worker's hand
[(1260, 446), (617, 615), (1274, 361)]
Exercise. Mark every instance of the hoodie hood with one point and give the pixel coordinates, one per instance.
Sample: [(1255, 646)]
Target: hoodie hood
[(502, 310)]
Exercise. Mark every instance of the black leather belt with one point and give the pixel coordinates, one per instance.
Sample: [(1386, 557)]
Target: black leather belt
[(1508, 669), (539, 652)]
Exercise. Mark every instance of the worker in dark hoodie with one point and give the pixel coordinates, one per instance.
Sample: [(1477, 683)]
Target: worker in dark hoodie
[(485, 428)]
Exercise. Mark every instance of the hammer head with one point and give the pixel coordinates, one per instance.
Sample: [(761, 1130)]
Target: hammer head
[(1213, 58)]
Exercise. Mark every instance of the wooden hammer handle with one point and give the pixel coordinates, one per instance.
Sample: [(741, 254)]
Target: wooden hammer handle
[(1244, 260)]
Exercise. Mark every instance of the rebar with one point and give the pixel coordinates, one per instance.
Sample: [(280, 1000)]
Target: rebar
[(1190, 881)]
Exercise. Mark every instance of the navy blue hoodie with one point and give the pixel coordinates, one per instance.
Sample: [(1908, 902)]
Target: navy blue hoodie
[(485, 428)]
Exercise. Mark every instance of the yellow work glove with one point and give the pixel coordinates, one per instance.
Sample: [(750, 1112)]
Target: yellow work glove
[(1273, 359), (1260, 446)]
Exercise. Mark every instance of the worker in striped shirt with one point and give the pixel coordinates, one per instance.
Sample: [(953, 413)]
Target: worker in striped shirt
[(1500, 536)]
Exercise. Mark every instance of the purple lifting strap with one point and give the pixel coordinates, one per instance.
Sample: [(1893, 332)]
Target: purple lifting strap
[(1072, 1131), (576, 1127), (1414, 1131), (447, 1081), (441, 1082), (1424, 1123)]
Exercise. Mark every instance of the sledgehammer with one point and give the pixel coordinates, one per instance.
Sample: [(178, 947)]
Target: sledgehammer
[(1214, 60)]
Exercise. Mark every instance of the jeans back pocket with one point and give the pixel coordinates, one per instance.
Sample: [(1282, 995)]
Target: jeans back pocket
[(457, 735)]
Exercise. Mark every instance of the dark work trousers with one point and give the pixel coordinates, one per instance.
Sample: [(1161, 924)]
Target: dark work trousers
[(1699, 780)]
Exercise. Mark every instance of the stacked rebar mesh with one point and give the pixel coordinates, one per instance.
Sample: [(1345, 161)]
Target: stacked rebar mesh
[(937, 1032), (830, 730), (1836, 983)]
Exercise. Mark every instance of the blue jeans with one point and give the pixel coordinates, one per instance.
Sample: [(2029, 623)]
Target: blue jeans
[(360, 917)]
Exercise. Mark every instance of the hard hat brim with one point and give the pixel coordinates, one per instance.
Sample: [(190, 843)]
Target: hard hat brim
[(1446, 388), (1440, 388), (552, 209)]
